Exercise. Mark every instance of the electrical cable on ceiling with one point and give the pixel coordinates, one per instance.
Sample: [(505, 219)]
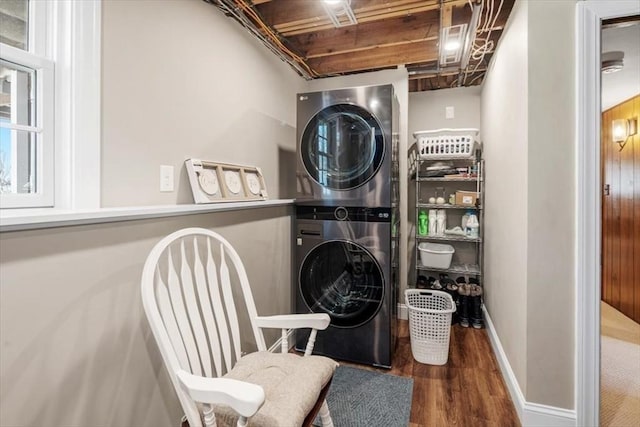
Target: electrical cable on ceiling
[(274, 38), (483, 45), (483, 20), (249, 19), (475, 78)]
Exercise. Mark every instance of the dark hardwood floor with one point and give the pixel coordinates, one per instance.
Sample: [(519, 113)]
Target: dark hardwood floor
[(468, 391)]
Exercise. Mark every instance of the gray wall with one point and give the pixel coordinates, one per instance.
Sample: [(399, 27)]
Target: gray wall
[(427, 109), (182, 80), (527, 120), (504, 133), (179, 80), (76, 346), (551, 204)]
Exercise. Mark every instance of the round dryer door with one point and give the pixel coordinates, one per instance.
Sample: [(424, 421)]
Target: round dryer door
[(342, 147), (343, 280)]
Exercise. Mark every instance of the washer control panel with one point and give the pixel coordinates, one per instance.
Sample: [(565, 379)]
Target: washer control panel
[(342, 213)]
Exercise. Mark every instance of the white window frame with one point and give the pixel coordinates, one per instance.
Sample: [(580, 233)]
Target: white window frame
[(65, 51), (43, 128)]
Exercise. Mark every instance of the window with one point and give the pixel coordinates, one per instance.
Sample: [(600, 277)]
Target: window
[(18, 146), (26, 110), (46, 109)]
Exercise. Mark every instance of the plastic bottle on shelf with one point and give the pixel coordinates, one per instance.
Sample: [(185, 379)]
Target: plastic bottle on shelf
[(423, 223), (433, 223), (473, 226), (442, 222), (465, 218)]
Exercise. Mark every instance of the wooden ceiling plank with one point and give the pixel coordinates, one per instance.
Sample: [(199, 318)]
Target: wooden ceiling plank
[(368, 35), (446, 12), (290, 11), (284, 12), (448, 73), (322, 25), (391, 10), (365, 48), (375, 58), (353, 40), (388, 33)]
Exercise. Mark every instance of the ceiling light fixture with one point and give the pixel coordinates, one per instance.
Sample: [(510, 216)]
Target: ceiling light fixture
[(612, 61), (452, 45), (451, 41), (339, 12)]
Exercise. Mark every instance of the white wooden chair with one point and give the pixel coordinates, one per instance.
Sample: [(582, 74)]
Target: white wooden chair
[(188, 299)]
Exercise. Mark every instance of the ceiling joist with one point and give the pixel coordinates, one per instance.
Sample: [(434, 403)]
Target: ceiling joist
[(311, 18), (388, 33), (382, 57), (394, 31)]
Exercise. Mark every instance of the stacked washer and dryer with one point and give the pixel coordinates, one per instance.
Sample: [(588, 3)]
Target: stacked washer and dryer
[(347, 221)]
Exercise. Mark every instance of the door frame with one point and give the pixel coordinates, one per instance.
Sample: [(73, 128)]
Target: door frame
[(589, 18)]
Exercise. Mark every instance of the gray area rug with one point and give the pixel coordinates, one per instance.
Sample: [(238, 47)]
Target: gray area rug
[(359, 398)]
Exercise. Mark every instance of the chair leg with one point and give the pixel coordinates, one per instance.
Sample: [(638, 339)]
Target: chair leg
[(325, 416)]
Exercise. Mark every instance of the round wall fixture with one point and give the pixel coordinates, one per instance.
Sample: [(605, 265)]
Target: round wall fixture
[(612, 61)]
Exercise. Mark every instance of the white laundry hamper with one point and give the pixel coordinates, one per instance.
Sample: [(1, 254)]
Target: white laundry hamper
[(429, 324), (447, 143)]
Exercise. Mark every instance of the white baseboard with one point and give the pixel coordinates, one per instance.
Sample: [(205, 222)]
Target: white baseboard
[(403, 312), (530, 414), (548, 416)]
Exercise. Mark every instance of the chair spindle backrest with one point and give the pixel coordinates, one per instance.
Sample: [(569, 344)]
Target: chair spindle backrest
[(188, 298)]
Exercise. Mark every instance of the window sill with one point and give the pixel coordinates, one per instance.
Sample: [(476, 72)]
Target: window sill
[(15, 220)]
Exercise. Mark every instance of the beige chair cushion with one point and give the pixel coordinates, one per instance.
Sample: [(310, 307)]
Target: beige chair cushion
[(291, 384)]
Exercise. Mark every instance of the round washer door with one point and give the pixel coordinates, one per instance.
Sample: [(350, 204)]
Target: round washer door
[(342, 147), (342, 279)]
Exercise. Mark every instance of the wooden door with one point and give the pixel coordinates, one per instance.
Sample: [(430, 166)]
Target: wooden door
[(620, 171)]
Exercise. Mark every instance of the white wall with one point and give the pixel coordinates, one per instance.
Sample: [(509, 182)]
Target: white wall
[(427, 109), (76, 348), (179, 79), (528, 112), (504, 134), (551, 199), (182, 80), (625, 84), (400, 81)]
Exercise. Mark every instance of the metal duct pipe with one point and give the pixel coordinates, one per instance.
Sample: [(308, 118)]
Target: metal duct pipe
[(470, 39)]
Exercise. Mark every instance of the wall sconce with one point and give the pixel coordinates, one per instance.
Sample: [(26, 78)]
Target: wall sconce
[(622, 129)]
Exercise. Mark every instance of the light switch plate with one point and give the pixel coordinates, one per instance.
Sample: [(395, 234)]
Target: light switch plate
[(166, 178), (449, 112)]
